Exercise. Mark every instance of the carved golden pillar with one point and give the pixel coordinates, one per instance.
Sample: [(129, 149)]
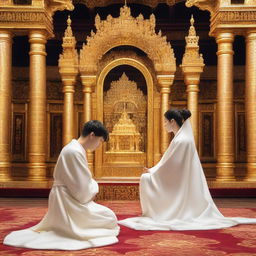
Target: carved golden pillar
[(88, 88), (68, 67), (192, 104), (192, 67), (37, 106), (5, 103), (250, 104), (165, 82), (68, 112), (225, 107)]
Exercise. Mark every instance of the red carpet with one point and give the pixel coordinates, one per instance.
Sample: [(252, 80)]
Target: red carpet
[(235, 241)]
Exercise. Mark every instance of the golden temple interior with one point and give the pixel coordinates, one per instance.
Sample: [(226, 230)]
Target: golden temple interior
[(64, 63)]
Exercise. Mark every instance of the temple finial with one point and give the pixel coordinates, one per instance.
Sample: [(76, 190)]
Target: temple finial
[(192, 20), (69, 21)]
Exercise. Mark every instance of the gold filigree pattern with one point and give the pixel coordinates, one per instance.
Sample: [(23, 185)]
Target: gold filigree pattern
[(125, 94), (159, 244), (127, 30), (243, 233), (192, 56)]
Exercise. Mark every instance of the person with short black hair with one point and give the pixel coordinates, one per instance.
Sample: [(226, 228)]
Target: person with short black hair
[(174, 194), (73, 221)]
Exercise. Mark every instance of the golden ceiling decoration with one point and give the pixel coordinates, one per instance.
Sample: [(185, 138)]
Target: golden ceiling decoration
[(102, 3), (127, 30)]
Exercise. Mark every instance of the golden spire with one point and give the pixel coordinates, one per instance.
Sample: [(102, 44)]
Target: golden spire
[(192, 48), (68, 31), (192, 31)]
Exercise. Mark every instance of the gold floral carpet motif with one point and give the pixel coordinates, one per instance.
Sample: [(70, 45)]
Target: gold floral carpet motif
[(235, 241)]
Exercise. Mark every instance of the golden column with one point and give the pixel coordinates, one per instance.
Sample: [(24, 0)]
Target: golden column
[(225, 107), (37, 106), (165, 82), (250, 104), (5, 103), (192, 66), (88, 82), (68, 67)]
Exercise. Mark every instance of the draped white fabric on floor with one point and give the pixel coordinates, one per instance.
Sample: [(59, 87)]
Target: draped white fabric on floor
[(174, 194), (73, 220)]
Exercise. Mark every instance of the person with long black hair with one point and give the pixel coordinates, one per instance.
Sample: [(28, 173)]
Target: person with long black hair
[(174, 194)]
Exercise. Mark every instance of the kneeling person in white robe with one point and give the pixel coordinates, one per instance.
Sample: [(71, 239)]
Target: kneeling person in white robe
[(73, 220), (174, 194)]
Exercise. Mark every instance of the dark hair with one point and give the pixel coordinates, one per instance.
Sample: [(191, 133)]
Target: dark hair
[(96, 127), (179, 115)]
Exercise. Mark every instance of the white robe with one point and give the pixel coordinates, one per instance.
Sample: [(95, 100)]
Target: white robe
[(174, 194), (73, 220)]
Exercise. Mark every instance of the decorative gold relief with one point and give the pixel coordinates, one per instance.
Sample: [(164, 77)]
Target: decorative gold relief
[(208, 5), (125, 111), (68, 67), (124, 136), (102, 3), (123, 99), (126, 30), (192, 67)]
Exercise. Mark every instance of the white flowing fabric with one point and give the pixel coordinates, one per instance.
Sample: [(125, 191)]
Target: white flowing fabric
[(73, 220), (174, 194)]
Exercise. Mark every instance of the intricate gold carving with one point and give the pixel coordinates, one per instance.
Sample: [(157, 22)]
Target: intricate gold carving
[(124, 94), (68, 65), (192, 56), (60, 5), (124, 136), (126, 30), (68, 60), (208, 5), (14, 16), (118, 192), (192, 67)]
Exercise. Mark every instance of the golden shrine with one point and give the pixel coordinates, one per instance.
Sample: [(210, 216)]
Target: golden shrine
[(126, 66)]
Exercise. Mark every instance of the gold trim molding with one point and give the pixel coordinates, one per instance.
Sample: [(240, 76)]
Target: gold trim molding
[(102, 3)]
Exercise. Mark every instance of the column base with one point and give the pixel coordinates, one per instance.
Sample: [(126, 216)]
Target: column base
[(225, 172), (36, 172), (251, 172), (5, 173)]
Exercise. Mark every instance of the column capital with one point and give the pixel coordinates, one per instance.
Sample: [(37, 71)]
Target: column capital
[(193, 88), (250, 35), (37, 40), (5, 34), (165, 82), (68, 88), (224, 36), (225, 41), (88, 80)]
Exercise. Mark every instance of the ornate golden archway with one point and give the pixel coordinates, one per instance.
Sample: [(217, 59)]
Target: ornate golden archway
[(151, 150), (127, 30)]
